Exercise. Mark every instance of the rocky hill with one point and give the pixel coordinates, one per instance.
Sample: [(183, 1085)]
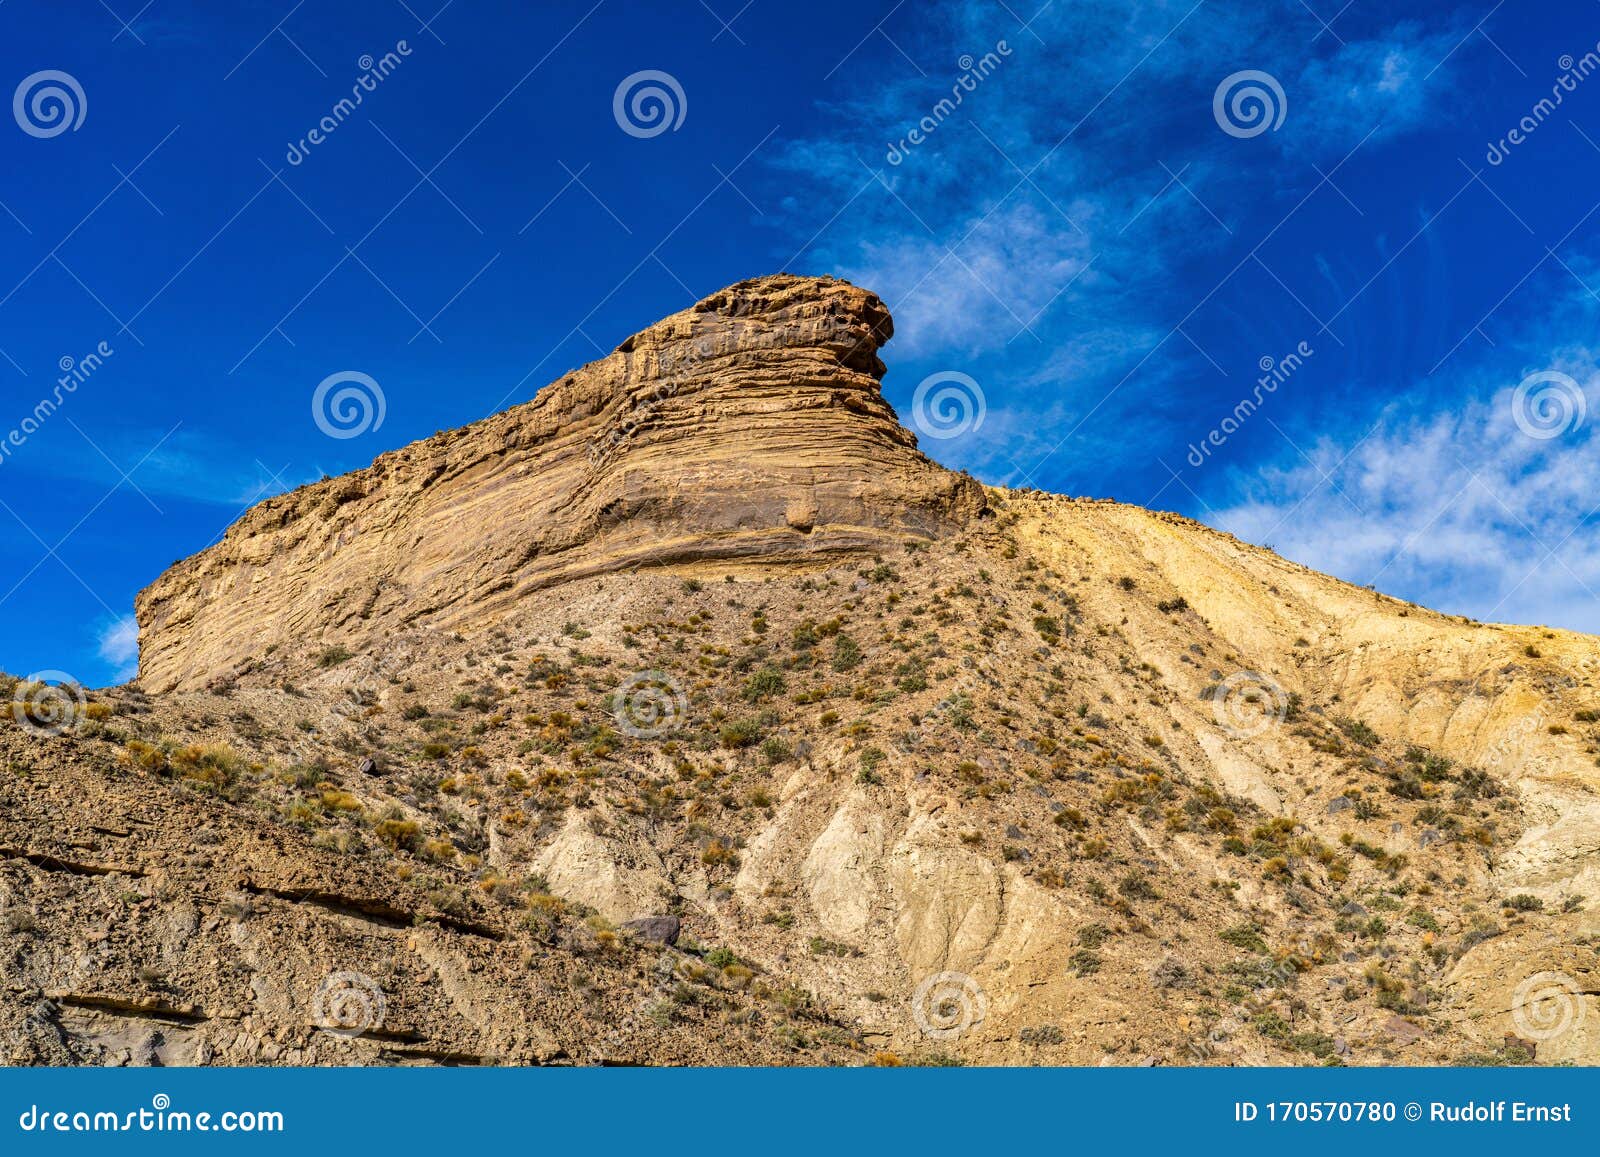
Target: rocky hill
[(748, 428), (688, 714)]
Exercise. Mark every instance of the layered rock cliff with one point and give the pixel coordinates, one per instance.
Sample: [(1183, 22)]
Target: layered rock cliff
[(749, 426)]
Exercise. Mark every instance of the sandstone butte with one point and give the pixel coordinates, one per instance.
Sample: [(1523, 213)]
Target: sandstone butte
[(749, 427), (687, 713)]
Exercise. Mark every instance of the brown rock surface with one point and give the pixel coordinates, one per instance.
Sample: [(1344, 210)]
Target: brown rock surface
[(749, 426)]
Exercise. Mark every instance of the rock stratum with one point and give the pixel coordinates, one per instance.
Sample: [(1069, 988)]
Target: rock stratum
[(748, 427), (688, 714)]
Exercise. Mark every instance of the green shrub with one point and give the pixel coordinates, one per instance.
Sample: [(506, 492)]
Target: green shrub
[(846, 654), (739, 733), (764, 684)]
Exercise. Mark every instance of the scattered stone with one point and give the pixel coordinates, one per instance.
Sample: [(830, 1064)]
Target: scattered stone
[(1513, 1041), (1402, 1030), (656, 929)]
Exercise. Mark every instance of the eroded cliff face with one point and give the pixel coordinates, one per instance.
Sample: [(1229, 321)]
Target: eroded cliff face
[(749, 426)]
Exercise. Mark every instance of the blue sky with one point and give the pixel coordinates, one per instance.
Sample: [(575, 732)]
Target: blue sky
[(1097, 236)]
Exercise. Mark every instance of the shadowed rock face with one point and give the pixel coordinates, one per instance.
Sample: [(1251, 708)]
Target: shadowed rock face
[(749, 426)]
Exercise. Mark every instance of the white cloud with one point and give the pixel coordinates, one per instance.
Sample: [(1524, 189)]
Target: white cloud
[(119, 646), (1440, 497), (979, 297), (1388, 82), (181, 464), (1041, 239), (1461, 509)]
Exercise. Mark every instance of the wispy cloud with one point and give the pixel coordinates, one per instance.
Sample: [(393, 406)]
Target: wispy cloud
[(1050, 235), (178, 464), (119, 646), (1041, 237), (1387, 83), (1480, 508)]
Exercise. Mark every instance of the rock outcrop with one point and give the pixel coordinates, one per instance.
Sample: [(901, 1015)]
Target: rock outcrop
[(749, 426)]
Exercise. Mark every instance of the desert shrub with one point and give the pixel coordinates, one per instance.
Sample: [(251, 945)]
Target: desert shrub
[(846, 654), (1246, 935), (399, 834), (739, 733), (764, 684)]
